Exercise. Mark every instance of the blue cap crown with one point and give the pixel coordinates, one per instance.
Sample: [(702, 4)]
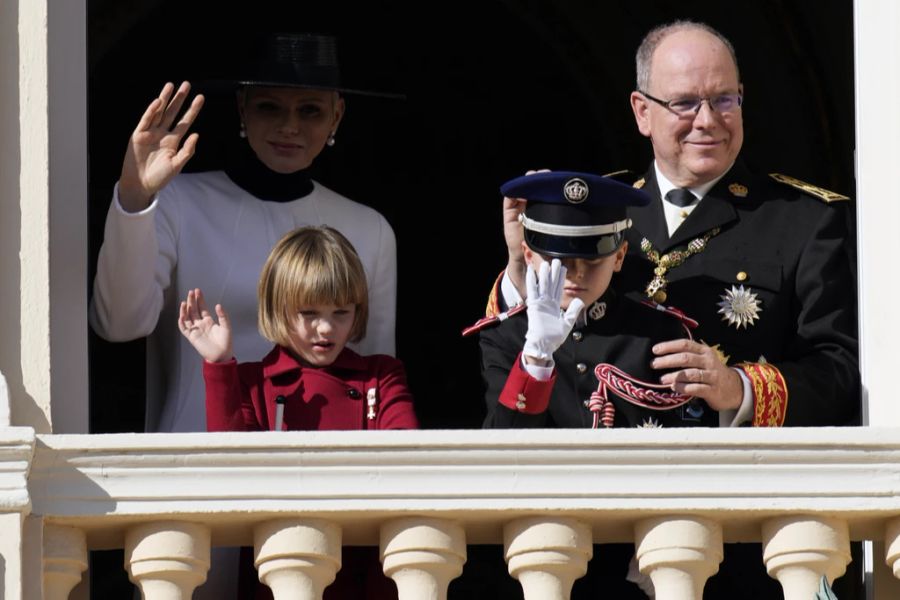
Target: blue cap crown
[(574, 215)]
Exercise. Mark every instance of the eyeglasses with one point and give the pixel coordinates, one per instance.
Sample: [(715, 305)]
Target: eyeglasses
[(688, 107)]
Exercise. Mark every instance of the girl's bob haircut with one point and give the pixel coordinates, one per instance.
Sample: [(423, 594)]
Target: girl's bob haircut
[(310, 266)]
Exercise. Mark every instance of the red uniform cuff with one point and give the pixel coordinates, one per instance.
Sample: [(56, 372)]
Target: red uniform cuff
[(525, 394), (770, 394)]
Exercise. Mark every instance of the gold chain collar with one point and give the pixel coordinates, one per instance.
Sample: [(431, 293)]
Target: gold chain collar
[(656, 289)]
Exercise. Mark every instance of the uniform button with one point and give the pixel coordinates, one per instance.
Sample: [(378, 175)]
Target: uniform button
[(354, 394), (684, 214), (581, 368), (741, 276), (577, 336), (520, 402)]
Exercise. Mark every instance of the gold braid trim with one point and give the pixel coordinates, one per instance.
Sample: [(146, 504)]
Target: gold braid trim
[(493, 304), (812, 190), (770, 394)]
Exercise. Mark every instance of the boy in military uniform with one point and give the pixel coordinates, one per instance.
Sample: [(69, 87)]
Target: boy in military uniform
[(580, 354)]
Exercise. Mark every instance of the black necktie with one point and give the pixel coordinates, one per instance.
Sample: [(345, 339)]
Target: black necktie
[(681, 197)]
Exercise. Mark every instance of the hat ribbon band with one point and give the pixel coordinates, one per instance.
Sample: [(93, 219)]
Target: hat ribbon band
[(574, 230)]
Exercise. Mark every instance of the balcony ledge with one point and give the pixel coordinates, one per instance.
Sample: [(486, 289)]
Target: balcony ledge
[(608, 479)]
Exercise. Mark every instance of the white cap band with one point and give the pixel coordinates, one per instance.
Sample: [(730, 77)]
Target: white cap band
[(574, 230)]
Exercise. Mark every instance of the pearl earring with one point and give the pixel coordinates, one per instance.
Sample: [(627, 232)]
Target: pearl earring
[(330, 141), (243, 132)]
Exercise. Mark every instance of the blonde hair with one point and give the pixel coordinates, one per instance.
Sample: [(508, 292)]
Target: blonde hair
[(309, 266)]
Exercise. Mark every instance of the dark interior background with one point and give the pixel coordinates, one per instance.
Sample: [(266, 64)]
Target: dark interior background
[(493, 88)]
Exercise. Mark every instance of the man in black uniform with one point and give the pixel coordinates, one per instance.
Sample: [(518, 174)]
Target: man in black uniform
[(762, 263)]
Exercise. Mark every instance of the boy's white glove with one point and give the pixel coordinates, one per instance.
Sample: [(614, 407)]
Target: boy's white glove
[(548, 326)]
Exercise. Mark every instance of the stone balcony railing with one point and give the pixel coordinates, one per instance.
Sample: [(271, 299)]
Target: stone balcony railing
[(422, 496)]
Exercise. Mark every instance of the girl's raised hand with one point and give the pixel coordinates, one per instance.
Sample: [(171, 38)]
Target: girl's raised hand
[(155, 151), (211, 339)]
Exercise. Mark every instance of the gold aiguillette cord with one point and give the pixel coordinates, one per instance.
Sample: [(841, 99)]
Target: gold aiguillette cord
[(656, 289)]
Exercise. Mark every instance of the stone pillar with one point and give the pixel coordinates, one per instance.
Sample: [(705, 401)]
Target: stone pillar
[(422, 556), (547, 555), (65, 559), (167, 559), (798, 550), (678, 554), (297, 558), (892, 546)]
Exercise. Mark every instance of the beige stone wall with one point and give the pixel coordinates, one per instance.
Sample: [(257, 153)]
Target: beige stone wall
[(43, 220)]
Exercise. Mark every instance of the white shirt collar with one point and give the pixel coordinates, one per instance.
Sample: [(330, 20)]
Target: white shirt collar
[(675, 215), (666, 186)]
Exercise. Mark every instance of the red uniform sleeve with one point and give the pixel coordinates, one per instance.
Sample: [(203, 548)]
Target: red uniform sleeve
[(523, 393), (228, 405), (395, 400)]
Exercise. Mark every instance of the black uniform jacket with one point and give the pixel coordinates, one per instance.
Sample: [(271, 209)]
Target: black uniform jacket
[(623, 337), (791, 250)]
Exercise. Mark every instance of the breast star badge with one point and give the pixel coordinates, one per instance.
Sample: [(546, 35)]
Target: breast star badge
[(739, 307)]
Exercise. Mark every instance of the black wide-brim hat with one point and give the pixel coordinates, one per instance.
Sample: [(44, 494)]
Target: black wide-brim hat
[(294, 60), (574, 215)]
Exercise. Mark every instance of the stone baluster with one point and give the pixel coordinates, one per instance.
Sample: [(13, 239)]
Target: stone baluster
[(297, 558), (422, 556), (892, 546), (798, 550), (65, 559), (547, 555), (168, 559), (678, 554)]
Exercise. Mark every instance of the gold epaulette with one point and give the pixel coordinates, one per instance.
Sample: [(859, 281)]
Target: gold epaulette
[(626, 176), (812, 190), (493, 304)]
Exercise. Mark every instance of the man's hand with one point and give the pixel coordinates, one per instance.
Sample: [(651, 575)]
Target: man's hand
[(700, 373)]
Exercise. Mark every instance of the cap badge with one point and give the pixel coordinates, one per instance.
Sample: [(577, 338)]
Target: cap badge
[(739, 307), (738, 190), (576, 190)]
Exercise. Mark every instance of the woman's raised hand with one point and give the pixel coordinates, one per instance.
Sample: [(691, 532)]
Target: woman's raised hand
[(210, 339), (155, 151)]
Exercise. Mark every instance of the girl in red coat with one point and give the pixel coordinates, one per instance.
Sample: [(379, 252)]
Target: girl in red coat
[(313, 300)]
